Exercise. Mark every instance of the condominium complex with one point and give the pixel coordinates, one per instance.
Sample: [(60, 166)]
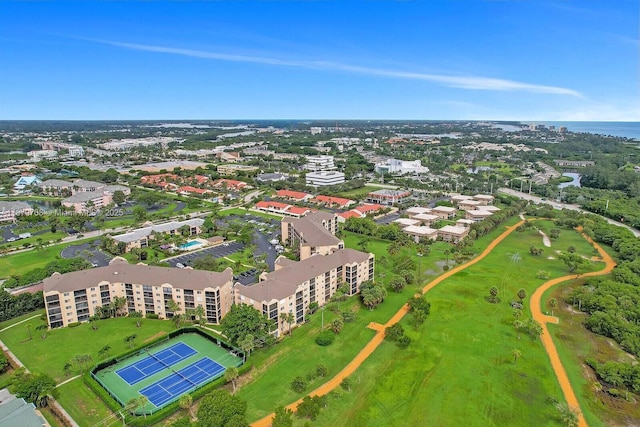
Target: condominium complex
[(294, 286), (401, 167), (74, 297), (140, 238), (313, 234), (9, 210)]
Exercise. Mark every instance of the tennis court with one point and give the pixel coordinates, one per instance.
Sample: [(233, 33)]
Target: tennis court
[(182, 381), (155, 363), (167, 370)]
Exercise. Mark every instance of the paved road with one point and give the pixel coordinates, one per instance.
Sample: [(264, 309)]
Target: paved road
[(388, 219), (561, 206)]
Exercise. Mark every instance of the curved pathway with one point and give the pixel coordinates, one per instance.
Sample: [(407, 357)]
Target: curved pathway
[(379, 336), (547, 340)]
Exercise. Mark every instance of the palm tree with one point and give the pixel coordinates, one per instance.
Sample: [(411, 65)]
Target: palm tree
[(230, 375), (199, 313), (518, 325), (516, 353), (185, 403), (363, 244), (104, 350), (517, 313), (29, 326), (172, 307), (43, 329), (522, 294), (287, 318), (553, 303)]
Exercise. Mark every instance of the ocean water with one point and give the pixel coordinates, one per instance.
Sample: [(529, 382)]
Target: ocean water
[(623, 129)]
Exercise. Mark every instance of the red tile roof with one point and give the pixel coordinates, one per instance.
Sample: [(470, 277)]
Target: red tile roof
[(190, 189), (368, 208), (231, 183), (296, 195), (350, 214), (297, 210), (330, 200), (273, 205)]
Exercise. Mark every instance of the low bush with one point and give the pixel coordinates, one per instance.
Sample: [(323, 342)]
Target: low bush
[(325, 338)]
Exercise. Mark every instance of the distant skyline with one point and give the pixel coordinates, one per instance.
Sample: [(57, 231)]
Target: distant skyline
[(541, 60)]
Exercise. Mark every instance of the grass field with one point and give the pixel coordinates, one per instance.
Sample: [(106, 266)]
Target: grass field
[(25, 261), (358, 193), (459, 368), (49, 355)]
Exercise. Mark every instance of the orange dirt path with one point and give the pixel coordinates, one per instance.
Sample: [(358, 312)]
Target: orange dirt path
[(547, 340), (379, 336)]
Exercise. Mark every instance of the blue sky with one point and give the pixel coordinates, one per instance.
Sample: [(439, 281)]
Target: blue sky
[(436, 59)]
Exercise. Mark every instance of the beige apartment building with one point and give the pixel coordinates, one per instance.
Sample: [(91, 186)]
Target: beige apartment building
[(141, 237), (294, 286), (74, 297), (314, 234)]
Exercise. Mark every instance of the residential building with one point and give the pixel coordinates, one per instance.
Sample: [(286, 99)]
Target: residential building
[(315, 130), (88, 201), (38, 155), (56, 187), (333, 202), (457, 198), (574, 163), (406, 222), (452, 233), (17, 412), (421, 232), (141, 237), (426, 219), (294, 286), (444, 212), (297, 196), (320, 162), (228, 156), (83, 186), (74, 297), (466, 223), (281, 208), (230, 184), (388, 197), (233, 169), (469, 205), (417, 210), (477, 215), (486, 199), (313, 234), (9, 210), (324, 178)]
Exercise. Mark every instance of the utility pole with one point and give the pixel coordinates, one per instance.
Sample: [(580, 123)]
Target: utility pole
[(606, 208), (521, 182), (530, 182)]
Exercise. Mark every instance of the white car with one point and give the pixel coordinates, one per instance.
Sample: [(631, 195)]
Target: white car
[(180, 265)]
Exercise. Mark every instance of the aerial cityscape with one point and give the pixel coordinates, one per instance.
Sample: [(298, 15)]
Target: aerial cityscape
[(319, 214)]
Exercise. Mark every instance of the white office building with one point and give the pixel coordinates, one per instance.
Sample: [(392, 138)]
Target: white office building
[(395, 166), (320, 163), (324, 178)]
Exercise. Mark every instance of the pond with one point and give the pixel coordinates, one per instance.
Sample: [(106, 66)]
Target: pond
[(574, 183)]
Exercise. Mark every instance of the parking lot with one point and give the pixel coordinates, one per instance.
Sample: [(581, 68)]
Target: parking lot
[(218, 251), (89, 251)]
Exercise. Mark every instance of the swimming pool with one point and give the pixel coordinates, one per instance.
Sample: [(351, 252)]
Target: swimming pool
[(191, 244)]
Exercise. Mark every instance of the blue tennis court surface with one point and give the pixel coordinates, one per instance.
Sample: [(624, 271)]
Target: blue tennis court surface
[(182, 381), (155, 363)]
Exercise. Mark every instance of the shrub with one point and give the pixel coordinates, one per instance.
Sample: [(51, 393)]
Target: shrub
[(394, 332), (298, 384), (325, 338), (404, 341), (152, 316), (73, 324)]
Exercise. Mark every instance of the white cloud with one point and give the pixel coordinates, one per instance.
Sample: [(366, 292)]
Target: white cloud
[(456, 81)]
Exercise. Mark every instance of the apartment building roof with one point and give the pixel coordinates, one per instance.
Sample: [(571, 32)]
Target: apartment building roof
[(83, 183), (139, 233), (121, 272), (84, 196), (289, 194), (283, 283), (312, 231), (333, 200), (452, 229), (14, 206), (55, 183)]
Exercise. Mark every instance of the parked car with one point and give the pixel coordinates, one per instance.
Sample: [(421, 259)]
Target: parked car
[(180, 265)]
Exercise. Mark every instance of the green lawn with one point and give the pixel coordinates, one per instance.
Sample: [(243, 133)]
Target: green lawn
[(46, 237), (460, 362), (61, 345), (84, 406), (25, 261), (358, 193)]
